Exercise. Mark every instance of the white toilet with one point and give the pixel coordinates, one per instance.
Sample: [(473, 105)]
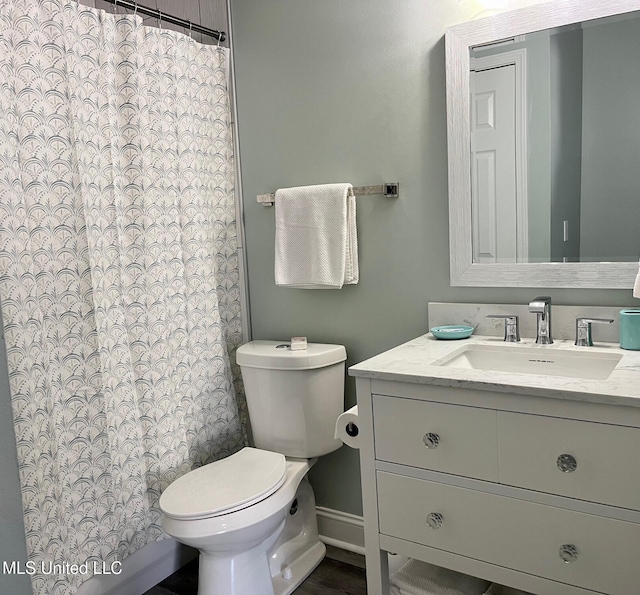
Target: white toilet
[(252, 515)]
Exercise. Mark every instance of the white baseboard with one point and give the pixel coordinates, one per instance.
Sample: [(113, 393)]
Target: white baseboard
[(142, 570), (341, 529)]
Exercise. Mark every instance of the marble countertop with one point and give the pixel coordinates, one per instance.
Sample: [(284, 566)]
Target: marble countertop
[(413, 362)]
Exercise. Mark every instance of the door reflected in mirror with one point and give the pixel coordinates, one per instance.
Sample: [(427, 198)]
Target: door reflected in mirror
[(555, 144)]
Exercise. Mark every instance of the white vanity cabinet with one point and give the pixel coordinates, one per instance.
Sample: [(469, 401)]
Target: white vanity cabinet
[(536, 492)]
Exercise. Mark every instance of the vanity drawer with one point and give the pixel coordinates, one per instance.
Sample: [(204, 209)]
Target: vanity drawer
[(603, 554), (448, 438), (540, 453)]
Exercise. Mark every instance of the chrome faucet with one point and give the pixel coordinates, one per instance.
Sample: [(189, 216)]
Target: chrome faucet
[(542, 307)]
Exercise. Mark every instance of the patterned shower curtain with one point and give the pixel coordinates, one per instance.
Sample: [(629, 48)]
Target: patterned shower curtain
[(118, 274)]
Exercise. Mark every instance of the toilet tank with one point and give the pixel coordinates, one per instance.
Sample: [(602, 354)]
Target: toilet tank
[(294, 397)]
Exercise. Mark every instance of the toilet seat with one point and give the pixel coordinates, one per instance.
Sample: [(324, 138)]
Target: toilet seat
[(222, 487), (243, 519)]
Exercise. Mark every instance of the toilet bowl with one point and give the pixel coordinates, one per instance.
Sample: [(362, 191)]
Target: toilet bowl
[(236, 546), (252, 515)]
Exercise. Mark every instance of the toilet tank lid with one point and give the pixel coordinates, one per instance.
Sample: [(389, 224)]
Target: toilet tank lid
[(277, 355), (224, 486)]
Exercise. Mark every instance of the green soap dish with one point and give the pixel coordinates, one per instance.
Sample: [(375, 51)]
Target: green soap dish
[(452, 331)]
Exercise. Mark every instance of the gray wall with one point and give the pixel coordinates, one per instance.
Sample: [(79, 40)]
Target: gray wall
[(355, 91), (539, 146), (610, 150), (566, 142)]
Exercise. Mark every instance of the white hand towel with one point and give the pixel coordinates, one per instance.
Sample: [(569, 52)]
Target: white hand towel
[(316, 238), (420, 578), (636, 287)]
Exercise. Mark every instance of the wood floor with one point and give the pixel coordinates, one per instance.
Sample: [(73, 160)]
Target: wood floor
[(340, 573)]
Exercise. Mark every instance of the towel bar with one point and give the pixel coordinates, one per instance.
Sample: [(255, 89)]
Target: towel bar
[(388, 189)]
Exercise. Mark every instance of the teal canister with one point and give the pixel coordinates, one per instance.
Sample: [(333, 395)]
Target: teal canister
[(630, 329)]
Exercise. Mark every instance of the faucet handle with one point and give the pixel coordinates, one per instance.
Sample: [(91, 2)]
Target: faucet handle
[(511, 326), (583, 330)]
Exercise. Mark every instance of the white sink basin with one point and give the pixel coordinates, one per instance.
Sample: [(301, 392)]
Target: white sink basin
[(518, 359)]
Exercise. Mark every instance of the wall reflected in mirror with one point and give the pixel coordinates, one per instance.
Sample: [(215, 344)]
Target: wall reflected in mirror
[(555, 144)]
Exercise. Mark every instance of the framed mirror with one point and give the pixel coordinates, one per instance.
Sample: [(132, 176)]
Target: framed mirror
[(543, 127)]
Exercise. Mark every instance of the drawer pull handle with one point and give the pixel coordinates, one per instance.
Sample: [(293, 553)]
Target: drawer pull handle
[(569, 553), (431, 440), (434, 520), (567, 463)]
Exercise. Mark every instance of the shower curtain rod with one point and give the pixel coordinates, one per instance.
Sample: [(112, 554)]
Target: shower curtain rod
[(152, 12)]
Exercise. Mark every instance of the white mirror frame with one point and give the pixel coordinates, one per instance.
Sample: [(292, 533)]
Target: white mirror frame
[(459, 39)]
